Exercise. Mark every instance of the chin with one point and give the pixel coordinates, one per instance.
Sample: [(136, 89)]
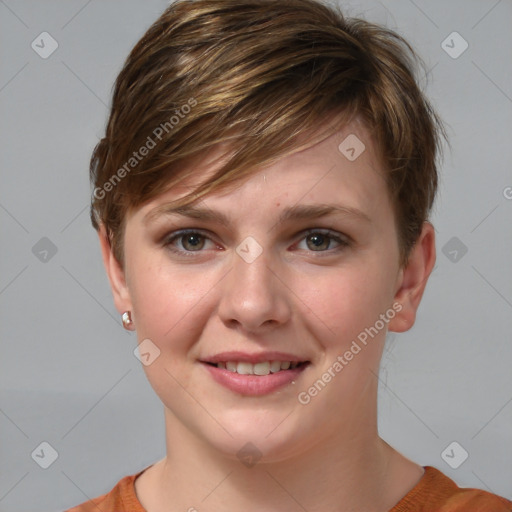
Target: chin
[(262, 437)]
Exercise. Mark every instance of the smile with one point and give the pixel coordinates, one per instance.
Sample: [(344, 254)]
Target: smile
[(255, 379), (263, 368)]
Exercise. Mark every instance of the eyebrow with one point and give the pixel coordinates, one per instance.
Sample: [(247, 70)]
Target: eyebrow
[(296, 212)]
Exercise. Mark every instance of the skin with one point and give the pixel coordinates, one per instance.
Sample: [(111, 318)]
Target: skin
[(295, 297)]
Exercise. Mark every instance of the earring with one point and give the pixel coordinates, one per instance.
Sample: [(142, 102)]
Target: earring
[(127, 321)]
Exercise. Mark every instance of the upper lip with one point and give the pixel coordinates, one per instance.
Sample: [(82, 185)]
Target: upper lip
[(260, 357)]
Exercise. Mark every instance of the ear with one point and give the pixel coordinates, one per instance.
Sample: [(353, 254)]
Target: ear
[(412, 279), (115, 273)]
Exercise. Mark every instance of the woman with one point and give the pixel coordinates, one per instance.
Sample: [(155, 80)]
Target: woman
[(261, 197)]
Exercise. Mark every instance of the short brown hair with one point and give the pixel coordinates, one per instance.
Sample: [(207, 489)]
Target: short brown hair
[(256, 75)]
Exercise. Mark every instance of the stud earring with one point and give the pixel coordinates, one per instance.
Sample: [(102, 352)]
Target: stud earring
[(127, 321)]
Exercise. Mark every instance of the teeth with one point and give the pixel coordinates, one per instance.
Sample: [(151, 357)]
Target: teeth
[(229, 366), (263, 368), (244, 368), (275, 366)]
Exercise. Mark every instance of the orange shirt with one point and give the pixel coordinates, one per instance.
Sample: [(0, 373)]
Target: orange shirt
[(435, 492)]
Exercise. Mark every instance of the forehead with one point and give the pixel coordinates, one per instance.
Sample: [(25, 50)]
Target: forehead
[(344, 165)]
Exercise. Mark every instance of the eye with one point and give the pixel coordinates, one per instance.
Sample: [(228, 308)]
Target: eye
[(190, 241), (321, 241)]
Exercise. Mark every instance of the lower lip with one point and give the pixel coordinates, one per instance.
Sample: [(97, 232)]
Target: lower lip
[(254, 385)]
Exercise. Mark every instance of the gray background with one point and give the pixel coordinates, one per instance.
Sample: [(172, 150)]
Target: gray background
[(68, 373)]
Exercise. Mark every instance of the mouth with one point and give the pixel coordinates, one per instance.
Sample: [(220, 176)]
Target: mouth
[(261, 369), (255, 375)]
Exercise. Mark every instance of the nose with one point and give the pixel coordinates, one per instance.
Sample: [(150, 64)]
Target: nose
[(254, 296)]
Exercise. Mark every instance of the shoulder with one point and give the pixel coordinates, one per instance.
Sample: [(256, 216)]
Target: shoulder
[(121, 497), (436, 492)]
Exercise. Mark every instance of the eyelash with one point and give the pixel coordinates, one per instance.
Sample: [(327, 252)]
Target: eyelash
[(342, 241)]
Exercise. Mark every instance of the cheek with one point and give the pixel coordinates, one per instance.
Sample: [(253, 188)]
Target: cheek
[(171, 309), (168, 302), (343, 303)]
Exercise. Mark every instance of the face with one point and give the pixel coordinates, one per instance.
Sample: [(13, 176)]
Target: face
[(303, 267)]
